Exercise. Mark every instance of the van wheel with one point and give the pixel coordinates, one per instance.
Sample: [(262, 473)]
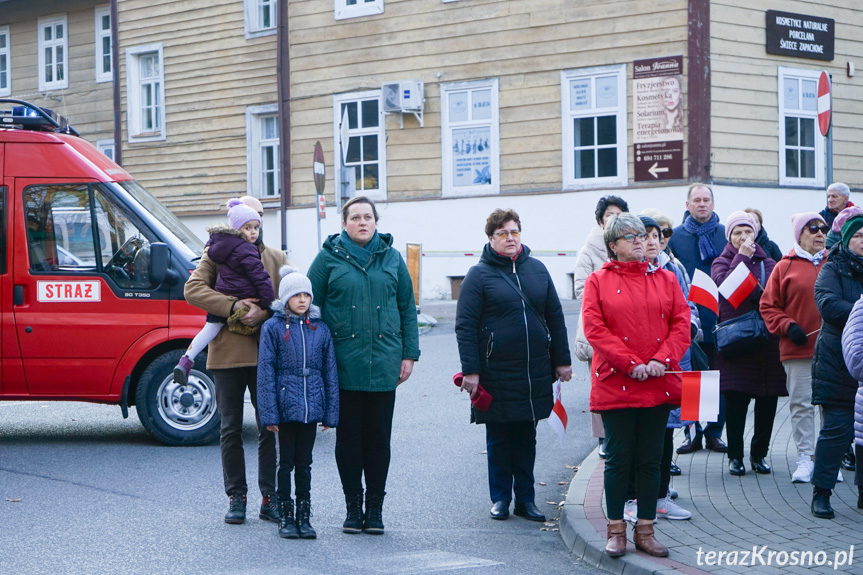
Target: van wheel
[(178, 414)]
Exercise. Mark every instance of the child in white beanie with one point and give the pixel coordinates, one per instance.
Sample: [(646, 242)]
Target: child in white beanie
[(241, 274), (298, 386)]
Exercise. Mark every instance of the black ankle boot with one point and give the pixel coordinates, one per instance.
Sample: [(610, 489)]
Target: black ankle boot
[(374, 522), (821, 503), (287, 523), (304, 512), (354, 520), (237, 511)]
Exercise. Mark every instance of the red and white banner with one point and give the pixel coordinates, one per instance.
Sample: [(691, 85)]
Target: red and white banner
[(704, 292), (557, 419), (738, 285), (700, 400)]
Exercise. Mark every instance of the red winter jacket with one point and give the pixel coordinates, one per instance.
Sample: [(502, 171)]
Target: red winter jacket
[(632, 316)]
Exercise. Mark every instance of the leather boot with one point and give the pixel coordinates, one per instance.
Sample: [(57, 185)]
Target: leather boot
[(821, 503), (287, 524), (374, 522), (645, 541), (237, 511), (304, 512), (616, 544), (354, 520)]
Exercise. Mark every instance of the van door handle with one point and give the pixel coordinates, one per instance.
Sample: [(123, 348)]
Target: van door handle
[(18, 295)]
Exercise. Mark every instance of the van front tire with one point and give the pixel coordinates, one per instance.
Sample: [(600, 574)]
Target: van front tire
[(178, 414)]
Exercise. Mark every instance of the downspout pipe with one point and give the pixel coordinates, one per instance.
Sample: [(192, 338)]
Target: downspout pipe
[(283, 79), (115, 73)]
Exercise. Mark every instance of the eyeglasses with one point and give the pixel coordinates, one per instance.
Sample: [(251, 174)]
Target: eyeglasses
[(666, 232), (815, 228), (503, 234), (632, 237)]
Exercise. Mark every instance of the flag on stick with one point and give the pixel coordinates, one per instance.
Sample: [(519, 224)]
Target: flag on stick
[(700, 399), (557, 419), (738, 285), (704, 292)]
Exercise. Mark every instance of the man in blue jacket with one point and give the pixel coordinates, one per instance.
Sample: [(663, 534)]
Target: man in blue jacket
[(696, 243)]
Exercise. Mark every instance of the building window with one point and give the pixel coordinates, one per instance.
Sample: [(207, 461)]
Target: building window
[(260, 16), (355, 8), (262, 151), (470, 138), (801, 145), (106, 147), (593, 109), (366, 142), (53, 50), (103, 44), (5, 62), (146, 93)]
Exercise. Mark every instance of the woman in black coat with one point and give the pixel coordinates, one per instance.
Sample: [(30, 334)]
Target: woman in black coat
[(838, 287), (515, 350)]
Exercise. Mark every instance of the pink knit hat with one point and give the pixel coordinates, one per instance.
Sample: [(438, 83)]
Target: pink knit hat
[(843, 216), (739, 218), (799, 221), (239, 213)]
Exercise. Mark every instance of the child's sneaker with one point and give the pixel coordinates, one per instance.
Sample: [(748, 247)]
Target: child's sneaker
[(670, 510), (181, 372), (630, 511)]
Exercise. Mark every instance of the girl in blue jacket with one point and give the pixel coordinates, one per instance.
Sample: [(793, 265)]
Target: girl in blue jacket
[(298, 387)]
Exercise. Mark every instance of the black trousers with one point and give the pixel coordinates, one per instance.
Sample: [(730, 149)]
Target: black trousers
[(633, 437), (736, 407), (231, 386), (511, 449), (296, 442), (837, 432), (363, 439)]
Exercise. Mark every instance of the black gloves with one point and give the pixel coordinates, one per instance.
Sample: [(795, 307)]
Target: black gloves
[(797, 335), (693, 330)]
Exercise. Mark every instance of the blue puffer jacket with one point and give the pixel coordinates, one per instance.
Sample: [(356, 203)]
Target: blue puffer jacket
[(852, 350), (297, 378)]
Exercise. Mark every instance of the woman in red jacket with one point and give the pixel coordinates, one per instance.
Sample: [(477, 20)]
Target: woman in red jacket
[(637, 321)]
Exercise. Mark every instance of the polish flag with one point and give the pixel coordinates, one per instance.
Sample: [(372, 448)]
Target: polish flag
[(700, 400), (557, 419), (704, 292), (738, 285)]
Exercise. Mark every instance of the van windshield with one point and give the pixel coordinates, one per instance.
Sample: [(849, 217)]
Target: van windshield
[(163, 215)]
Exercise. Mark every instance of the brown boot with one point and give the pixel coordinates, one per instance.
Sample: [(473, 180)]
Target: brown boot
[(645, 541), (616, 545)]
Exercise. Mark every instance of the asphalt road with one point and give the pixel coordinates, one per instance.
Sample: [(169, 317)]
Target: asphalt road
[(83, 491)]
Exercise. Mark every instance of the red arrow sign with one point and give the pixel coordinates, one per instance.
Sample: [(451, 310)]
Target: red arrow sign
[(824, 103)]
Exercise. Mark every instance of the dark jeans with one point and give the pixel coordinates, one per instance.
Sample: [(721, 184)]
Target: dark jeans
[(363, 439), (296, 442), (664, 468), (837, 432), (511, 448), (633, 437), (714, 428), (230, 387), (765, 413)]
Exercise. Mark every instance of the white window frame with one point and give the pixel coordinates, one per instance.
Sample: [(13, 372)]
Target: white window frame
[(254, 162), (819, 180), (362, 8), (338, 99), (447, 127), (251, 10), (101, 75), (7, 52), (133, 94), (52, 21), (570, 182), (106, 147)]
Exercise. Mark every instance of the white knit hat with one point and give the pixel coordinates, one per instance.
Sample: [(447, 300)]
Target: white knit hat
[(292, 283)]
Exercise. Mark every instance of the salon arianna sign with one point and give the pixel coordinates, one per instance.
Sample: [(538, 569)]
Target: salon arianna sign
[(657, 118)]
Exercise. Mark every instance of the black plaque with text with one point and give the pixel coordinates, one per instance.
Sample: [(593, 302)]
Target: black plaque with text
[(800, 35)]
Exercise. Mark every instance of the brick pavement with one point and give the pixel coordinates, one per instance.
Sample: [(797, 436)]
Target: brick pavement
[(728, 514)]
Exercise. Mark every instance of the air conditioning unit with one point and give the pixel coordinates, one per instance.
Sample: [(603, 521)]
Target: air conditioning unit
[(404, 96)]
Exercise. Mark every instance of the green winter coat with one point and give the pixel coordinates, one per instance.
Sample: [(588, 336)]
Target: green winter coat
[(370, 311)]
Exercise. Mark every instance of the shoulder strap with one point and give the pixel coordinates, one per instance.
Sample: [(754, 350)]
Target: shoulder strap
[(524, 298)]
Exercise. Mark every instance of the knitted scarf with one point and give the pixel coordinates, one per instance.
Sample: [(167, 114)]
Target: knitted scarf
[(361, 253), (703, 231)]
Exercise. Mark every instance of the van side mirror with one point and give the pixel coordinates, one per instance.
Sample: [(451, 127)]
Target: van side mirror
[(158, 262)]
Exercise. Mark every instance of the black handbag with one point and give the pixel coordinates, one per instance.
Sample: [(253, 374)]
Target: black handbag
[(743, 334)]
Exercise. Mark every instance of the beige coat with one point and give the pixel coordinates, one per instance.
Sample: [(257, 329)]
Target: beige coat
[(228, 350), (590, 258)]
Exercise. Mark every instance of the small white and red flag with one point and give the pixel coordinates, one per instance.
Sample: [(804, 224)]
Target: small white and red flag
[(700, 397), (704, 292), (738, 285), (557, 419)]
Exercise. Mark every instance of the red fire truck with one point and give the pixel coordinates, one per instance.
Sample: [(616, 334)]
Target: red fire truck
[(92, 269)]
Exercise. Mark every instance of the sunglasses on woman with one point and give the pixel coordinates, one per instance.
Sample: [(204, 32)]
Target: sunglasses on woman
[(815, 228), (666, 232)]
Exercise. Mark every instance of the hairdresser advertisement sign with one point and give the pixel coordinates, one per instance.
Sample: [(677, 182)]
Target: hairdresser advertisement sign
[(657, 119)]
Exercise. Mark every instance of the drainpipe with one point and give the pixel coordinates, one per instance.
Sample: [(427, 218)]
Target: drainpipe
[(698, 101), (283, 78), (115, 72)]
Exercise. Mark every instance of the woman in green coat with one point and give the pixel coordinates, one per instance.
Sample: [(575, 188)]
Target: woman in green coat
[(366, 297)]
